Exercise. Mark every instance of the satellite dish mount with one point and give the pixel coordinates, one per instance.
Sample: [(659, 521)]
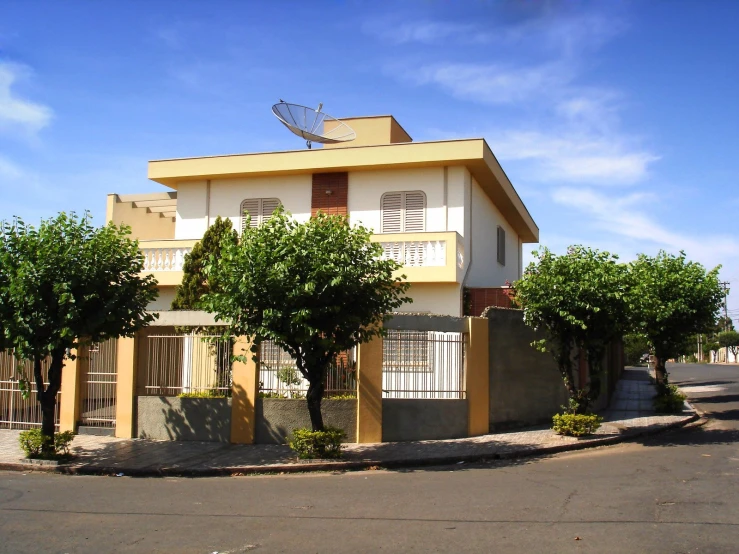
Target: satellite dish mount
[(312, 124)]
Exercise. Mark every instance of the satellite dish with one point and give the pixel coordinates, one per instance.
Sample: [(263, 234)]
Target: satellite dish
[(312, 124)]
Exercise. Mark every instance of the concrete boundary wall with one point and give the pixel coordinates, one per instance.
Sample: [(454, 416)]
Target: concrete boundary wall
[(526, 387), (443, 324), (415, 420), (183, 419), (277, 417)]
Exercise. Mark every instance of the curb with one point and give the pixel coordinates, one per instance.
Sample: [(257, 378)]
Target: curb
[(345, 465)]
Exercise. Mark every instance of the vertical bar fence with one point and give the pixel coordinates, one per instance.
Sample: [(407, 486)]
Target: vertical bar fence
[(99, 386), (423, 365), (15, 411)]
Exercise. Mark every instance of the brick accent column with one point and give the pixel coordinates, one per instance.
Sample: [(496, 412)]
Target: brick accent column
[(330, 193)]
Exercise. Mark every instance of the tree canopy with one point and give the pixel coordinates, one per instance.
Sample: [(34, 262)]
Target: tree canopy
[(195, 283), (64, 282), (730, 340), (672, 299), (579, 300), (316, 289)]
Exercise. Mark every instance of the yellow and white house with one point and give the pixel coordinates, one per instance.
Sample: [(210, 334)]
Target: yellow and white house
[(444, 209)]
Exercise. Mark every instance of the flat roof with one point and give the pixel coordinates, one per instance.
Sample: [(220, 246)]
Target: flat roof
[(475, 154)]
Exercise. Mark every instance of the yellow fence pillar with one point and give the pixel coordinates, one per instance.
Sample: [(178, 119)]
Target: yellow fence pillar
[(69, 405), (478, 377), (125, 411), (369, 391), (244, 396)]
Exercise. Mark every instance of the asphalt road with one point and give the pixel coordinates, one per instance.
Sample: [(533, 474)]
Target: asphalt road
[(676, 492)]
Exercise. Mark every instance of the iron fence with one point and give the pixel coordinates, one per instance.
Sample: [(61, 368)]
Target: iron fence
[(17, 412), (99, 386), (187, 363), (279, 376), (423, 364)]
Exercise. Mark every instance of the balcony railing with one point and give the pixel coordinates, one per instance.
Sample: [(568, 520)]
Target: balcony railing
[(425, 257)]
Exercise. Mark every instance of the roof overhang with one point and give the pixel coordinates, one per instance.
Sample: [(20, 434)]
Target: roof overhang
[(474, 154)]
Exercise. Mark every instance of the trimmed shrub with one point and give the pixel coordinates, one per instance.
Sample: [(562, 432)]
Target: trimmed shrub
[(32, 442), (324, 444), (575, 425), (206, 393), (671, 401)]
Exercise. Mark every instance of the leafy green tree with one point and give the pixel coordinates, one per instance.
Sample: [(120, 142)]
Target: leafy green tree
[(316, 289), (723, 323), (729, 340), (64, 282), (579, 300), (636, 349), (672, 300), (195, 284)]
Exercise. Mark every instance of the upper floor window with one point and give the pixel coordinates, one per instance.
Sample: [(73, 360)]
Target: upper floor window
[(501, 245), (260, 210), (403, 212)]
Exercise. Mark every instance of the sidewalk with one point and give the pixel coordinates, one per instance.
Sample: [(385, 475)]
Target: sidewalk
[(630, 415)]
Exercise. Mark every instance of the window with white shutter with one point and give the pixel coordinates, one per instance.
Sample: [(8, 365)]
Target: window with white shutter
[(260, 210), (403, 212)]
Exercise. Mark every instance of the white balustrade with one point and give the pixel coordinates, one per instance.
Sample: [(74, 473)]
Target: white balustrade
[(164, 259), (416, 253)]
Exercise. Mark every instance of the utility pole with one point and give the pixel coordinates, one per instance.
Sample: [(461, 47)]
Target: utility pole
[(725, 286)]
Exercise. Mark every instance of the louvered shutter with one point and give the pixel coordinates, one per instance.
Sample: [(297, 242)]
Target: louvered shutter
[(415, 212), (250, 207), (392, 208), (269, 205)]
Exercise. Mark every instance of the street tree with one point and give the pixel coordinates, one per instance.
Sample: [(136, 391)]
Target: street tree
[(579, 301), (730, 341), (673, 299), (63, 284), (195, 283), (315, 289)]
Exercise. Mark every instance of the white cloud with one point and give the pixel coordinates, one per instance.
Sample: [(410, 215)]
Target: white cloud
[(16, 113), (425, 32), (569, 155), (9, 170), (493, 83)]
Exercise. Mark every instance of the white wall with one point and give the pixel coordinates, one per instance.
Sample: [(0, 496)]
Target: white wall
[(435, 298), (367, 187), (485, 219), (226, 195), (164, 300)]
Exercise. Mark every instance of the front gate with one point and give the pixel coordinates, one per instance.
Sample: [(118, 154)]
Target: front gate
[(98, 390), (15, 411)]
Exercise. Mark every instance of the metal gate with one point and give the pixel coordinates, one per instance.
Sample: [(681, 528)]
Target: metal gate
[(99, 386), (15, 411)]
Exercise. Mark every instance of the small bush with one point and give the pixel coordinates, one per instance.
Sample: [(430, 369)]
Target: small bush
[(207, 393), (671, 401), (32, 442), (342, 396), (317, 444), (575, 425)]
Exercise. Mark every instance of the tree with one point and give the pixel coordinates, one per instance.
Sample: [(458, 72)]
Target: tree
[(730, 341), (316, 289), (636, 350), (63, 283), (195, 285), (579, 300), (672, 300), (194, 281)]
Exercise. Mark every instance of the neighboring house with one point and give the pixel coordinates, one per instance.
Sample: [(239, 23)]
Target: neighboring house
[(444, 209)]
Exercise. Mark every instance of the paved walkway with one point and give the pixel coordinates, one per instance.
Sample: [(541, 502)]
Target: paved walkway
[(630, 415)]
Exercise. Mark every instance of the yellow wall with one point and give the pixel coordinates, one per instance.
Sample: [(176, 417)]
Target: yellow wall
[(380, 129), (435, 298), (144, 224)]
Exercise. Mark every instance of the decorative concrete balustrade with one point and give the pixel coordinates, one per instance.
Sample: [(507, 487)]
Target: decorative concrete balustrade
[(164, 259)]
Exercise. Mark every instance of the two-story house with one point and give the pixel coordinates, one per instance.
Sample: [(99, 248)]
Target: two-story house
[(444, 209)]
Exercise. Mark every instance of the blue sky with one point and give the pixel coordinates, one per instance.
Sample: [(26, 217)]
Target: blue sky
[(617, 121)]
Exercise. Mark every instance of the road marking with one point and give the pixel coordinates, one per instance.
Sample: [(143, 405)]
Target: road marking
[(703, 388)]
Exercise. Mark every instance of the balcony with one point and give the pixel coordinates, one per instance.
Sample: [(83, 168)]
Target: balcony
[(426, 257)]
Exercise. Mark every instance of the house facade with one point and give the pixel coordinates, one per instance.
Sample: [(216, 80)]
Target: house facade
[(445, 210)]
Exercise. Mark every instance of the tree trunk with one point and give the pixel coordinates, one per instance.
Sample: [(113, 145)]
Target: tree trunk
[(660, 372), (314, 397), (47, 395)]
